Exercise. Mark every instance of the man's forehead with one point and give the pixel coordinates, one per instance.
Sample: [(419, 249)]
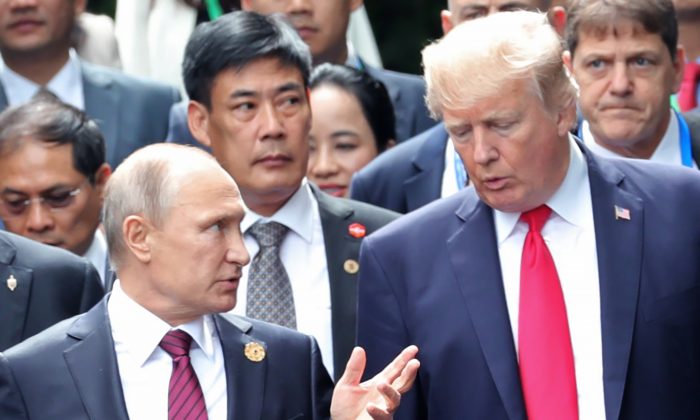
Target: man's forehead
[(456, 5), (269, 74), (618, 29)]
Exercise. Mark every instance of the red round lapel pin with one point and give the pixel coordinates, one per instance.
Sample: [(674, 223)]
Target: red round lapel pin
[(357, 230)]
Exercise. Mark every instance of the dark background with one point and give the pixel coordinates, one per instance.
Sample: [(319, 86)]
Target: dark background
[(402, 28)]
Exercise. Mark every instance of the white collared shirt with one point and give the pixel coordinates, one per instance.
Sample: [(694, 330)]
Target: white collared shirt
[(668, 151), (303, 254), (67, 84), (145, 368), (570, 236), (97, 254)]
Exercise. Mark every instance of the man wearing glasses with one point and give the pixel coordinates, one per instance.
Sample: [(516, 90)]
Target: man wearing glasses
[(52, 176)]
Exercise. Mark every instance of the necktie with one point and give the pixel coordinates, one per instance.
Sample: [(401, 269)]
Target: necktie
[(544, 344), (687, 94), (185, 398), (270, 295)]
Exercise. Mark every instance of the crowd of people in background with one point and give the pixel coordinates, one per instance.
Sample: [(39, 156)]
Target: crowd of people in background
[(223, 209)]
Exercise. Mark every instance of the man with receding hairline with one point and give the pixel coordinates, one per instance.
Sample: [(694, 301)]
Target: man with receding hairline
[(159, 345)]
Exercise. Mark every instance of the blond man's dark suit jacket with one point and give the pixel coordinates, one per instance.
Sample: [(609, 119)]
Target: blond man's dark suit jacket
[(70, 371), (41, 285)]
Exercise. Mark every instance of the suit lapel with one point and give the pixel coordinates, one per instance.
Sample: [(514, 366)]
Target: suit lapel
[(476, 263), (245, 379), (93, 365), (14, 302), (429, 162), (340, 247), (3, 98), (102, 105), (619, 249)]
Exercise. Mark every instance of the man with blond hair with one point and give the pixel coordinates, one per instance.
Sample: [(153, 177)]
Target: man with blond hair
[(159, 346), (561, 285)]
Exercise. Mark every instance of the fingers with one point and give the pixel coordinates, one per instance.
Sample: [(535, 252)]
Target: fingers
[(355, 368), (392, 399), (396, 367), (408, 376)]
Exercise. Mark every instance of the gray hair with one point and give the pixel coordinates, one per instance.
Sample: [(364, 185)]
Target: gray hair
[(146, 184), (472, 61)]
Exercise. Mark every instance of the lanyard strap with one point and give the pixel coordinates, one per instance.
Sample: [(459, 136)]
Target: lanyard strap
[(684, 134), (213, 9), (460, 172)]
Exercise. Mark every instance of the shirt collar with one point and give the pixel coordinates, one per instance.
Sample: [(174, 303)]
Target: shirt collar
[(296, 214), (140, 331), (66, 84), (565, 200), (667, 150), (97, 253)]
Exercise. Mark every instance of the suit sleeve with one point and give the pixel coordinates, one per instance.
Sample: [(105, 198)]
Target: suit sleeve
[(11, 403), (381, 330), (92, 288), (321, 383), (357, 189)]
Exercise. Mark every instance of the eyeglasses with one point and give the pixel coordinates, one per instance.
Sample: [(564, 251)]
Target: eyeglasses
[(55, 200)]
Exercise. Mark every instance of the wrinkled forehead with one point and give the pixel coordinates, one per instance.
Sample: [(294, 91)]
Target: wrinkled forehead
[(456, 5), (614, 27)]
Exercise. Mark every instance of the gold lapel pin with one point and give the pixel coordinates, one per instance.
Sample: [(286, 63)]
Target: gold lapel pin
[(11, 283), (255, 352), (351, 266)]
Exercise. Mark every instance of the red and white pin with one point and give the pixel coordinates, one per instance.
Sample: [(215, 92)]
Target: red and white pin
[(357, 230)]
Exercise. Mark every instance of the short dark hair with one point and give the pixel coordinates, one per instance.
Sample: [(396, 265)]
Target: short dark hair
[(655, 16), (235, 40), (45, 118), (370, 93)]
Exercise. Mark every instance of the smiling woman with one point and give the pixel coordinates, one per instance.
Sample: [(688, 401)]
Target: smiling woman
[(353, 121)]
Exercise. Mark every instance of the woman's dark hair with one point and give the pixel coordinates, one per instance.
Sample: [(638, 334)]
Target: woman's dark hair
[(370, 93)]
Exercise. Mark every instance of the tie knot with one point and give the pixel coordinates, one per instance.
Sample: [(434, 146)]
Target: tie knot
[(176, 343), (537, 217), (268, 234)]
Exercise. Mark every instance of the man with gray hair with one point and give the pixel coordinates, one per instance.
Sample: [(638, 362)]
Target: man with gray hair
[(560, 285), (158, 347)]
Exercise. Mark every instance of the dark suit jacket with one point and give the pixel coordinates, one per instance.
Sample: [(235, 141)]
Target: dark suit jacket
[(70, 372), (337, 214), (130, 112), (51, 285), (407, 93), (407, 176), (433, 279)]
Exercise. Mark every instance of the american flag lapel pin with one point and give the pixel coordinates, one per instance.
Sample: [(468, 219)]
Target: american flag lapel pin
[(622, 213)]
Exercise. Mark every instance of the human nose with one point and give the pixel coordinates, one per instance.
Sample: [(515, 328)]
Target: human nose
[(23, 4), (323, 163), (300, 6), (237, 252), (483, 150), (621, 83), (39, 218), (272, 123)]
